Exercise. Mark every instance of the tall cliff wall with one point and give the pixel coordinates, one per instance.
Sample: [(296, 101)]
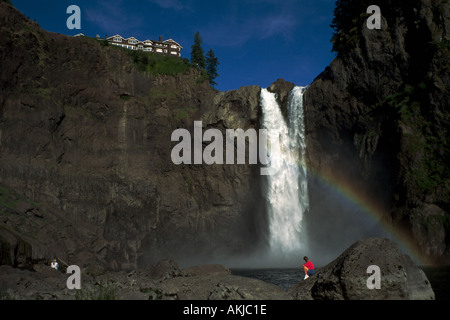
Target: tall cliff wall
[(85, 158), (377, 122)]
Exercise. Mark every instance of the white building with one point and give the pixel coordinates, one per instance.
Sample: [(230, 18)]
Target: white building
[(167, 47)]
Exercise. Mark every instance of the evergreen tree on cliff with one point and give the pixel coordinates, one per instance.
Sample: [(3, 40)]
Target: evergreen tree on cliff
[(211, 67), (197, 56), (347, 22)]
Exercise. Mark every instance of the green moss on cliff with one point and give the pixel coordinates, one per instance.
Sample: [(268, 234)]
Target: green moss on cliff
[(425, 144), (184, 113), (158, 64), (161, 94), (5, 199), (442, 48)]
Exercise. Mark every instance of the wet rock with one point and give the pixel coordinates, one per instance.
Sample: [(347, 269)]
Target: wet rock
[(346, 277), (221, 286), (206, 269), (282, 88)]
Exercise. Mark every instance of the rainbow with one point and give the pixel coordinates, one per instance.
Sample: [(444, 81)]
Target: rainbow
[(374, 211)]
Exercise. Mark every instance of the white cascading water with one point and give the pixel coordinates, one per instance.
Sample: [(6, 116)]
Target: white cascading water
[(287, 194)]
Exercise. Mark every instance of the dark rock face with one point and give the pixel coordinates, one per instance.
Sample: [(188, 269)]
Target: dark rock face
[(31, 232), (86, 140), (376, 121), (346, 277), (162, 281), (282, 88)]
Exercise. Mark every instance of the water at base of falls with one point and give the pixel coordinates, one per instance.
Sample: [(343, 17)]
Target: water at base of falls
[(287, 194)]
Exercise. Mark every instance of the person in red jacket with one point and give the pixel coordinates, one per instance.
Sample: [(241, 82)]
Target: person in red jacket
[(308, 267)]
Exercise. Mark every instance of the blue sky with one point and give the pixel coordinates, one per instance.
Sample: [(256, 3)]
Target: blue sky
[(256, 41)]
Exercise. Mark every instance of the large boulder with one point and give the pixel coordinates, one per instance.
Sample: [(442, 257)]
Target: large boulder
[(346, 278)]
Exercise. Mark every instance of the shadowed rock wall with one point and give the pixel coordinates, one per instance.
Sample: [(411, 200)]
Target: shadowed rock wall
[(376, 123), (86, 135)]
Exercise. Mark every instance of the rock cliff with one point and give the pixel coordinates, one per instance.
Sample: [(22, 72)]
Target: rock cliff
[(377, 122), (85, 160)]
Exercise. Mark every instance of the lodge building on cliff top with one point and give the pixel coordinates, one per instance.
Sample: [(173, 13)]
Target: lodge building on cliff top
[(166, 47)]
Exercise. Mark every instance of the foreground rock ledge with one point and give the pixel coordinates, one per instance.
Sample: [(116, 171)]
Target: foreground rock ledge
[(163, 281), (345, 278)]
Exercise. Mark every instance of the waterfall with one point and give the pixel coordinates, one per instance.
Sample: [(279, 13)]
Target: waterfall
[(287, 194)]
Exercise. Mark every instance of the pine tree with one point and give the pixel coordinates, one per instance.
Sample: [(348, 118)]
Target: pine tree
[(347, 23), (197, 57), (211, 67)]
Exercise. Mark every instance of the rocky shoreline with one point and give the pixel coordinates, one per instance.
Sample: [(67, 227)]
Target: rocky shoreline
[(345, 278)]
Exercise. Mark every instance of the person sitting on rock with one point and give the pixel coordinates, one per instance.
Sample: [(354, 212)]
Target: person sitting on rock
[(54, 264), (308, 267)]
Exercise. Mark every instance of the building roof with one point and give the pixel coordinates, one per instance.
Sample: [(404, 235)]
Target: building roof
[(146, 41), (117, 35), (173, 41)]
